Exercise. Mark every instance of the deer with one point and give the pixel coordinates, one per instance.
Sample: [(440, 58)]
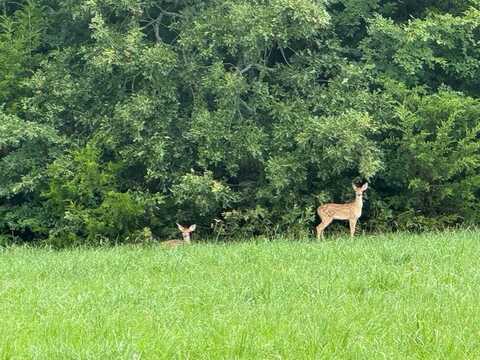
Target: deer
[(349, 211), (186, 231)]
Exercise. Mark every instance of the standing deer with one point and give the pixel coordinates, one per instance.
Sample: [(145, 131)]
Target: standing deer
[(350, 211), (185, 234)]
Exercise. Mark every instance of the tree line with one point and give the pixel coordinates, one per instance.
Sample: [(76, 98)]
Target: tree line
[(120, 118)]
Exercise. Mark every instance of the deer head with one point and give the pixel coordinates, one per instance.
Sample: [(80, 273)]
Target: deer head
[(359, 190), (186, 231)]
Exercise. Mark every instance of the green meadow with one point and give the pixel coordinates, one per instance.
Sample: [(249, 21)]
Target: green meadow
[(397, 296)]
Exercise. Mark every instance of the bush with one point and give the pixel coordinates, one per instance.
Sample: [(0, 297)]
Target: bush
[(119, 119)]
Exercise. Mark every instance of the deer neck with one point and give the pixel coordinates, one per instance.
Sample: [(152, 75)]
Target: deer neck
[(358, 202)]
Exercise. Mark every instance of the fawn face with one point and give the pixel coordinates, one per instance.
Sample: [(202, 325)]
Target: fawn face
[(186, 231), (359, 190)]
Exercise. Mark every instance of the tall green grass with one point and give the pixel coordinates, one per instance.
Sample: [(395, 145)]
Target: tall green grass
[(379, 297)]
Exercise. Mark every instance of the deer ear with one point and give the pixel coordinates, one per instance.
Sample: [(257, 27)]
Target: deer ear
[(354, 186), (193, 227), (365, 187), (180, 227)]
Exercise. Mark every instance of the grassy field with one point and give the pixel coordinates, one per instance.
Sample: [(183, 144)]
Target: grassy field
[(379, 297)]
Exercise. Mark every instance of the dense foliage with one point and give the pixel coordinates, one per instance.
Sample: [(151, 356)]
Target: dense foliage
[(119, 118)]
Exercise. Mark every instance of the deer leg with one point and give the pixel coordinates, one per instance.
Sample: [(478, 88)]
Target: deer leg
[(319, 230), (353, 224), (325, 222)]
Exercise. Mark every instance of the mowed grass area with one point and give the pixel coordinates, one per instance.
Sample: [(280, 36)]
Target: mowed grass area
[(392, 296)]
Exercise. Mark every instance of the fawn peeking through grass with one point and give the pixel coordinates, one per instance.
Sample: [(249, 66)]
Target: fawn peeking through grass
[(349, 211), (186, 231)]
